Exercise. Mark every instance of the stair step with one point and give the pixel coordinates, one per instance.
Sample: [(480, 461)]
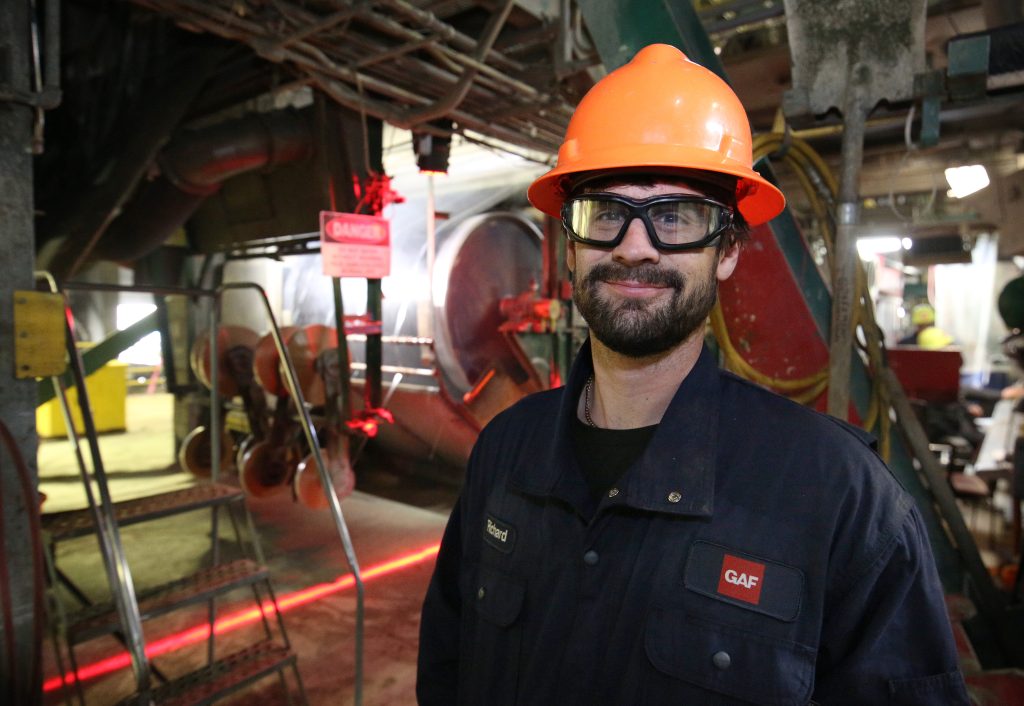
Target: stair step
[(227, 675), (76, 523), (102, 619)]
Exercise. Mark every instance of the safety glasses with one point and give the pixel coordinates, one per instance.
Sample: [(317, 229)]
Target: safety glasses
[(673, 222)]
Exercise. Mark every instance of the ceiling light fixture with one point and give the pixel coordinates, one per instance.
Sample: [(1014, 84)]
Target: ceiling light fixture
[(966, 180)]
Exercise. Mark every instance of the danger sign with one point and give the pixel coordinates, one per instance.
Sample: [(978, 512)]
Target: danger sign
[(353, 245)]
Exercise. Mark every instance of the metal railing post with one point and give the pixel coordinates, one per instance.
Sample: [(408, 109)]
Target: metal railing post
[(115, 563), (325, 480)]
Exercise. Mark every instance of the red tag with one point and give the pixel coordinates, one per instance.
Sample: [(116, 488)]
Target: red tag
[(741, 579)]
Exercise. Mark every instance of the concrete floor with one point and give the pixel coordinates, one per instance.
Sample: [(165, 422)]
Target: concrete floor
[(302, 548)]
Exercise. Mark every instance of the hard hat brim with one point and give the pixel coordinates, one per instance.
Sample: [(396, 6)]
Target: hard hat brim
[(757, 199)]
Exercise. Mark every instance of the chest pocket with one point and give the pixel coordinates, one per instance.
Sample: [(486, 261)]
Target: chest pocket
[(498, 598), (492, 651), (727, 661)]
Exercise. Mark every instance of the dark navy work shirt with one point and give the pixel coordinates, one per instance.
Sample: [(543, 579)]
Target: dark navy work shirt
[(756, 552)]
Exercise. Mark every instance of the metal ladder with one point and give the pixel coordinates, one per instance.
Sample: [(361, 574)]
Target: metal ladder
[(128, 609)]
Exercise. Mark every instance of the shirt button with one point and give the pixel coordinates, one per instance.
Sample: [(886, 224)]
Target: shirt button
[(721, 660), (675, 496), (480, 593), (590, 558), (613, 492)]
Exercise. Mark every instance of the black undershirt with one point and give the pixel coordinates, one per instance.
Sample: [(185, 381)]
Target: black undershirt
[(605, 454)]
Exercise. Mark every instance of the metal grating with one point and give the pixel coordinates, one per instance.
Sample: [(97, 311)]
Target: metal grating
[(76, 523), (206, 685), (102, 618)]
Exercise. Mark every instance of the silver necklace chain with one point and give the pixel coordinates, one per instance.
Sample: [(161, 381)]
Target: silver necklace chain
[(586, 401)]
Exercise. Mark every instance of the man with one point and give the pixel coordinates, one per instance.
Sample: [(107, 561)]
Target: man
[(925, 334), (657, 531)]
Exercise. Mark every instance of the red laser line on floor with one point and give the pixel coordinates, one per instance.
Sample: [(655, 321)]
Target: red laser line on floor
[(235, 620)]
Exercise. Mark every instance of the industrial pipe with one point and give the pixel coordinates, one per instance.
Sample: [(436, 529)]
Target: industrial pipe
[(445, 30), (445, 104), (328, 72), (841, 333), (193, 166)]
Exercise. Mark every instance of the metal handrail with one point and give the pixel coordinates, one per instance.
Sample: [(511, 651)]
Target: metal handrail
[(306, 422), (111, 549), (292, 380)]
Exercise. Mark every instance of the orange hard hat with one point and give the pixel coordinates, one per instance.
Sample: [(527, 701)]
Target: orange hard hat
[(660, 113)]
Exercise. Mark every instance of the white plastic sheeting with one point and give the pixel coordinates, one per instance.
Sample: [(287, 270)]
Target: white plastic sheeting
[(965, 306)]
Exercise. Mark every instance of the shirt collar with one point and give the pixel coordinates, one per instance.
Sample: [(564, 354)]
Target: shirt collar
[(680, 458)]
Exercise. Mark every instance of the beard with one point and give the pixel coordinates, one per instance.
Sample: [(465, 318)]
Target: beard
[(639, 328)]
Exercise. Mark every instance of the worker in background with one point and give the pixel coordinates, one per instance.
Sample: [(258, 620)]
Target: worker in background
[(1011, 310), (659, 531), (1013, 349), (926, 334)]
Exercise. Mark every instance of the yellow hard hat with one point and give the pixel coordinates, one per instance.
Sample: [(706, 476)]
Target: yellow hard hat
[(660, 113), (922, 315), (933, 338)]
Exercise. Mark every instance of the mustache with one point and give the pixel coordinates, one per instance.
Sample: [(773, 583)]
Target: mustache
[(644, 274)]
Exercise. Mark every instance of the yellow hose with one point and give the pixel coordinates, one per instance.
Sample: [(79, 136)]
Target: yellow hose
[(815, 177)]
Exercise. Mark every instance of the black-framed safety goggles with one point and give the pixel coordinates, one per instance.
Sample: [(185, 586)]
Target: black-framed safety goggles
[(673, 222)]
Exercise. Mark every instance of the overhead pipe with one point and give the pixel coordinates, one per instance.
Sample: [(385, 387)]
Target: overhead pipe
[(322, 25), (271, 49), (445, 30), (319, 66), (193, 167), (441, 107), (546, 132), (349, 98), (327, 73), (387, 24), (327, 78), (538, 105), (395, 53)]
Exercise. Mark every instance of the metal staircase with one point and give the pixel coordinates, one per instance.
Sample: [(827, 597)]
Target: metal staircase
[(128, 609)]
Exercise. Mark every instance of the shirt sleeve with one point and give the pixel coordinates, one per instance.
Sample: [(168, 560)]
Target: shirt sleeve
[(887, 638), (437, 673)]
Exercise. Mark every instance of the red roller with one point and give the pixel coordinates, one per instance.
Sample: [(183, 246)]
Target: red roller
[(308, 488), (228, 338), (267, 468), (195, 454), (265, 364), (304, 347)]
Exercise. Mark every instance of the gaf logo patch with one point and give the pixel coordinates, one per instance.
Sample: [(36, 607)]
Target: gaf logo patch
[(741, 579), (744, 580)]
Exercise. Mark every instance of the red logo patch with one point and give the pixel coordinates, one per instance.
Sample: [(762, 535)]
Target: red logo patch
[(741, 579)]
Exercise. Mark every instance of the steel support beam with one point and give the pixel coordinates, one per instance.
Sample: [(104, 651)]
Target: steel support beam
[(20, 678), (621, 28), (104, 352)]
